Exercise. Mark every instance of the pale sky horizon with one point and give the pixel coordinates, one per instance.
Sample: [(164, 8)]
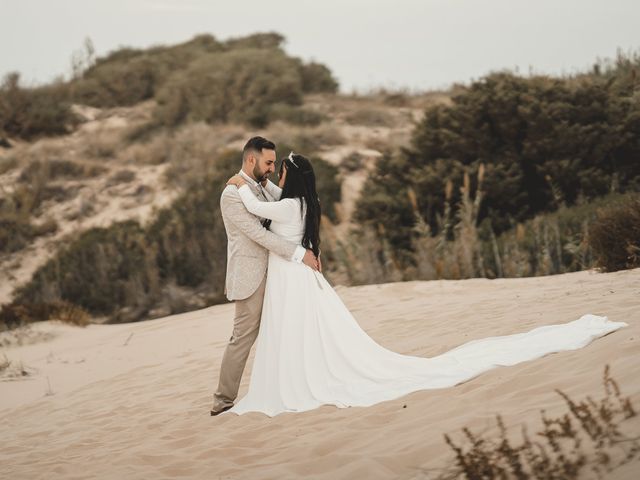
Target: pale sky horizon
[(414, 44)]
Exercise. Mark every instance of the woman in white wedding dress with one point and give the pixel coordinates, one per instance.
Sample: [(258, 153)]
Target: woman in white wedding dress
[(311, 351)]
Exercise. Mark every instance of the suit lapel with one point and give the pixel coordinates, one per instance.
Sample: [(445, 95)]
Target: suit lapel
[(259, 193)]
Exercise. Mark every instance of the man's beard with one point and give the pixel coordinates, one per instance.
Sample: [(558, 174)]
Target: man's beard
[(259, 175)]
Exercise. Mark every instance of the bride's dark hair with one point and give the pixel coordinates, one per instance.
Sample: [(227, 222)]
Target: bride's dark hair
[(301, 183)]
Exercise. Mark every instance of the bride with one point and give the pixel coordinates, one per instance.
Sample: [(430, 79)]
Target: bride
[(311, 351)]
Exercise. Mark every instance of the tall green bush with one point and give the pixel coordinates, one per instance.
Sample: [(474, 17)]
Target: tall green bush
[(615, 235), (30, 113), (202, 79), (235, 86), (545, 142), (127, 76)]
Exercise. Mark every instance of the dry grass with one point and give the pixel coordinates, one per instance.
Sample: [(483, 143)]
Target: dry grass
[(23, 335), (121, 176), (10, 370), (46, 170), (17, 314), (594, 437), (548, 244), (4, 363), (102, 144), (370, 258), (310, 140), (371, 117), (460, 257), (8, 163), (190, 150)]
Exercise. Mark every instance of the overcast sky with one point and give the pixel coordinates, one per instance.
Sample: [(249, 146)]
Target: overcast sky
[(418, 44)]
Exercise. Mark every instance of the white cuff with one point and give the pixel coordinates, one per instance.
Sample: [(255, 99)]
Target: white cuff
[(298, 255)]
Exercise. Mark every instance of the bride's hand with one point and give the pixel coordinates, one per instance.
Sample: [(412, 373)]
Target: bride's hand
[(236, 180)]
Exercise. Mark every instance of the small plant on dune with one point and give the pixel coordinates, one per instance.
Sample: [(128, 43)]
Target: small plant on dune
[(17, 314), (72, 314), (587, 440), (11, 371), (4, 363)]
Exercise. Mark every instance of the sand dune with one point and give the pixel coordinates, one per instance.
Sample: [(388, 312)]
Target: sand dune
[(132, 401)]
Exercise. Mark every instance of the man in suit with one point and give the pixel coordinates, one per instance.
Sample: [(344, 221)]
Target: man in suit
[(248, 247)]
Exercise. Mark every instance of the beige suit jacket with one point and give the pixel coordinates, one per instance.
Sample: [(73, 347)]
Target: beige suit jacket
[(248, 246)]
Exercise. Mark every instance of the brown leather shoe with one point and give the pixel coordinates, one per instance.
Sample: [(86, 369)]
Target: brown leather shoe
[(214, 413)]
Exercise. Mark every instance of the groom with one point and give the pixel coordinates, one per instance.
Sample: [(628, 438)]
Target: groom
[(248, 244)]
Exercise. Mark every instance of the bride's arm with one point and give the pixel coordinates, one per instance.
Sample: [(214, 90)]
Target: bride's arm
[(273, 190), (280, 211)]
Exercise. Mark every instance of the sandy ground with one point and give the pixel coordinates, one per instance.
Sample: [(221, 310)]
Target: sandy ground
[(133, 400)]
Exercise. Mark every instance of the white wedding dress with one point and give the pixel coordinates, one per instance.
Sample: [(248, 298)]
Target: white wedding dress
[(310, 350)]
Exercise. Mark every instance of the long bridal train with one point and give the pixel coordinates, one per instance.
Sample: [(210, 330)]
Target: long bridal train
[(311, 351)]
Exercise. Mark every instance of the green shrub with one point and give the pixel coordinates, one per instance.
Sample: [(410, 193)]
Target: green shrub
[(295, 115), (14, 234), (122, 83), (190, 235), (234, 86), (313, 140), (121, 176), (201, 79), (54, 169), (352, 162), (615, 235), (101, 271), (328, 186), (239, 67), (371, 117), (317, 78), (550, 243), (8, 163), (128, 76), (29, 113), (544, 142), (16, 314), (268, 41)]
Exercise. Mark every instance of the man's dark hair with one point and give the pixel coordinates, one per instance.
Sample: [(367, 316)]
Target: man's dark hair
[(256, 144)]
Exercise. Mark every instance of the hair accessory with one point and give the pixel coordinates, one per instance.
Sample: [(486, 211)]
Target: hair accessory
[(292, 160)]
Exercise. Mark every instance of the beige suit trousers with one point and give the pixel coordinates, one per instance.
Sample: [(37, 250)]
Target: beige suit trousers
[(246, 325)]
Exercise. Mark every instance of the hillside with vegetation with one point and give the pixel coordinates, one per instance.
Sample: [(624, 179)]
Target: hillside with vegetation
[(110, 180)]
